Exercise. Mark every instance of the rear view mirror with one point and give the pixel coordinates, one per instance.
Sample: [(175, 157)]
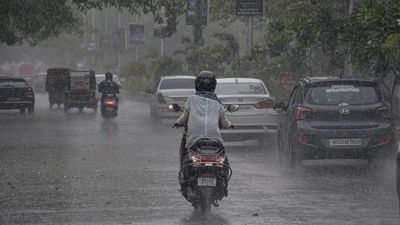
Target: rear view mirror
[(280, 106), (174, 108), (232, 108)]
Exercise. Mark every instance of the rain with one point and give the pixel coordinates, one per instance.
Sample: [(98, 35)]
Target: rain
[(199, 112)]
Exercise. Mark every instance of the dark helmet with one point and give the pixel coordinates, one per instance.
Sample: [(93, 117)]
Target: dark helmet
[(109, 76), (205, 81)]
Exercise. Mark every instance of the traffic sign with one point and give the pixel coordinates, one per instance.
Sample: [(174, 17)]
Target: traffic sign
[(249, 7), (191, 14), (136, 33)]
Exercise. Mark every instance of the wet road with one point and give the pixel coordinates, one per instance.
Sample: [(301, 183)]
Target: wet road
[(75, 168)]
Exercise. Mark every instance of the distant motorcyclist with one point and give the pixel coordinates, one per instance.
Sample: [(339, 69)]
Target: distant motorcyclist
[(203, 113), (108, 86)]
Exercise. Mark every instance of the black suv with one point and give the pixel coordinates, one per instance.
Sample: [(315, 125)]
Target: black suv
[(328, 117), (15, 93)]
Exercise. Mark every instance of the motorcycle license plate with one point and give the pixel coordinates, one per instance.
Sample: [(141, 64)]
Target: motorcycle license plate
[(109, 109), (207, 181)]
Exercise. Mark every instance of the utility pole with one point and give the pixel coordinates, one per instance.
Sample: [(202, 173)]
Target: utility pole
[(197, 26), (249, 33), (348, 66), (119, 50), (137, 44), (93, 43), (163, 14)]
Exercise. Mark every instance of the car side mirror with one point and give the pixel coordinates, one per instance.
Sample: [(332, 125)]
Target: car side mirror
[(148, 91), (232, 108), (280, 106), (174, 108)]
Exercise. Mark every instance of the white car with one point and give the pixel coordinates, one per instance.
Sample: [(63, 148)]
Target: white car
[(255, 119), (100, 78), (168, 90)]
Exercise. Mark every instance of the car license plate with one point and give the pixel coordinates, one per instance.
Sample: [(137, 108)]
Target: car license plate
[(207, 181), (244, 107), (13, 99), (345, 142)]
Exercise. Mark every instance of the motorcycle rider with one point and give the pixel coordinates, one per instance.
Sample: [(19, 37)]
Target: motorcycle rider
[(108, 86), (203, 114)]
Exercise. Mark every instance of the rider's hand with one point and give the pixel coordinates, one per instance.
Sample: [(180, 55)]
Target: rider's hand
[(176, 125)]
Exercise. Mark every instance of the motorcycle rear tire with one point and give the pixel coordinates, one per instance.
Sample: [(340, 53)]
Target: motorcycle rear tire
[(205, 208)]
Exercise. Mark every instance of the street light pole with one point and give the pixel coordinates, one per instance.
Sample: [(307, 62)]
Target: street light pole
[(93, 38)]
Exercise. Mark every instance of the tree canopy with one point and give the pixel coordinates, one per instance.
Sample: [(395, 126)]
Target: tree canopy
[(33, 20)]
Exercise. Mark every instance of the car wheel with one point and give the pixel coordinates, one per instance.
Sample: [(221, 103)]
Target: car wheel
[(31, 108), (398, 177), (383, 156), (282, 156), (154, 118), (22, 110), (262, 141), (294, 157)]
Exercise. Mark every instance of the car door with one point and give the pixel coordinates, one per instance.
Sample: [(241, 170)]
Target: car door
[(287, 116)]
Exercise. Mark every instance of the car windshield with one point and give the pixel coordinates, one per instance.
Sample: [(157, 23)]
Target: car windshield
[(12, 83), (178, 83), (240, 89), (347, 93)]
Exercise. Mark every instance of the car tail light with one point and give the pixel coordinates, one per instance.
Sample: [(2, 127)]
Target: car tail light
[(264, 104), (384, 111), (304, 138), (160, 98), (300, 113), (385, 138), (29, 89)]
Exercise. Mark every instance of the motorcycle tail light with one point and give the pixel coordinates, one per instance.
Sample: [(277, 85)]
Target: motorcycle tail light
[(301, 113), (109, 102), (160, 98), (207, 174), (207, 158), (384, 111), (267, 104)]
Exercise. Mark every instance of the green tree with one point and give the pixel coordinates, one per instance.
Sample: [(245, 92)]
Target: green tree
[(164, 66), (215, 57), (35, 20), (374, 37)]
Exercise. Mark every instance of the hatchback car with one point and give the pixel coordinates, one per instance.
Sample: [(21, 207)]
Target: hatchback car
[(15, 93), (168, 90), (335, 118), (255, 118)]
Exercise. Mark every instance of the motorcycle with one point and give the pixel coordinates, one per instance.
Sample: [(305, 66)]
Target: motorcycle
[(205, 171), (109, 106)]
